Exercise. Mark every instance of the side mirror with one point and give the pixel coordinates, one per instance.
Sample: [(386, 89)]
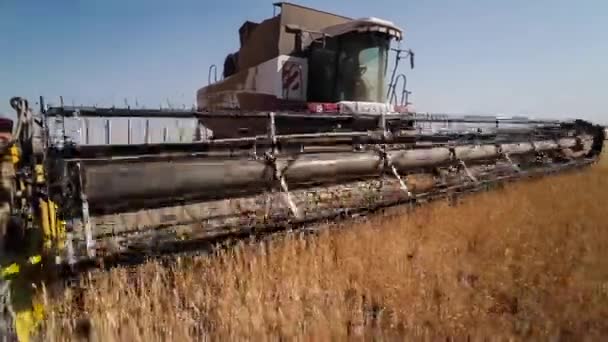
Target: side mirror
[(411, 54)]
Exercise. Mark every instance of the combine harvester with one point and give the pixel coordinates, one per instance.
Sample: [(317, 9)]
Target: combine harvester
[(304, 127)]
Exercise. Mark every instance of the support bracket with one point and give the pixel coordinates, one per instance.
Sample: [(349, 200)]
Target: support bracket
[(508, 158), (388, 164), (467, 171), (86, 220), (278, 176)]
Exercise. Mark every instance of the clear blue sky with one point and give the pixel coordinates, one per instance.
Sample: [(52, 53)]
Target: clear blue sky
[(547, 58)]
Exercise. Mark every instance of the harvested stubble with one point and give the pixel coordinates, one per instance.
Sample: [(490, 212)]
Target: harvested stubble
[(530, 260)]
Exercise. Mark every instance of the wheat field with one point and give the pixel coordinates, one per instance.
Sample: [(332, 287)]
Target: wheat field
[(526, 261)]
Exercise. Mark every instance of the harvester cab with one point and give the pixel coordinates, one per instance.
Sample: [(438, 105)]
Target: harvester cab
[(350, 63)]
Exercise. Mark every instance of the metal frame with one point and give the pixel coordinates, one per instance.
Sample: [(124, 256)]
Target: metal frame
[(84, 111), (267, 148)]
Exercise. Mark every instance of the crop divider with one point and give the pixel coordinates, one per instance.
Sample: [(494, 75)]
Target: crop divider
[(388, 165), (278, 174)]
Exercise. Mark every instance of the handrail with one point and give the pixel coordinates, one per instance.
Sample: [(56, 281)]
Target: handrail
[(214, 68)]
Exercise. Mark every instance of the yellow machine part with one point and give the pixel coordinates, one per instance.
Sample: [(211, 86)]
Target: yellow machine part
[(53, 229), (14, 153), (39, 173), (28, 321), (29, 309), (14, 268), (27, 305)]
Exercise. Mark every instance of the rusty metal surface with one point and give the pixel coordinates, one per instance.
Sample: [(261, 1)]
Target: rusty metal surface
[(113, 181), (270, 39), (140, 232), (306, 18), (261, 45)]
